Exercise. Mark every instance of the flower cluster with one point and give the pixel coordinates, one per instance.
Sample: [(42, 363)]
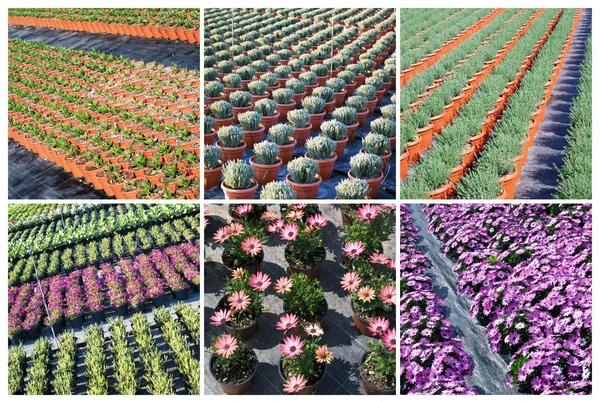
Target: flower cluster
[(243, 244), (93, 289)]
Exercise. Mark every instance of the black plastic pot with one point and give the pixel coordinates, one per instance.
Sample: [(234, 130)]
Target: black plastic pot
[(159, 301), (244, 333), (299, 329), (311, 273), (310, 389), (16, 338), (138, 308), (77, 322), (122, 310), (369, 388), (252, 269), (181, 295), (98, 316), (235, 389)]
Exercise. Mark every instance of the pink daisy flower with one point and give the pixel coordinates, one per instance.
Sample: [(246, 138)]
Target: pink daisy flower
[(353, 249), (243, 209), (283, 285), (317, 220), (259, 281), (387, 294), (226, 345), (295, 215), (291, 346), (236, 228), (366, 294), (299, 207), (295, 384), (276, 226), (289, 231), (252, 246), (313, 330), (378, 326), (206, 222), (378, 258), (288, 321), (391, 264), (367, 213), (269, 215), (237, 273), (323, 355), (350, 281), (239, 300), (389, 339), (222, 235), (220, 317), (388, 207)]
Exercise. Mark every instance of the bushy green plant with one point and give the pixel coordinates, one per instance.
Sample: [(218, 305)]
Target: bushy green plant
[(296, 65), (324, 93), (272, 59), (240, 99), (284, 54), (299, 118), (303, 170), (241, 60), (309, 78), (257, 88), (391, 69), (277, 190), (225, 66), (320, 148), (345, 115), (337, 84), (366, 166), (313, 104), (367, 91), (389, 112), (232, 81), (282, 71), (305, 298), (334, 129), (281, 134), (221, 110), (209, 124), (296, 85), (260, 66), (246, 73), (376, 144), (210, 74), (355, 68), (358, 103), (213, 89), (238, 175), (352, 189), (320, 70), (384, 127), (212, 155), (347, 76), (384, 75), (250, 121), (266, 107), (307, 58), (266, 153), (269, 78), (230, 136), (283, 96)]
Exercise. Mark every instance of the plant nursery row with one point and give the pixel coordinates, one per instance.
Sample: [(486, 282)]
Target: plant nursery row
[(158, 23), (295, 98), (474, 88), (526, 272), (159, 357), (312, 300), (129, 129)]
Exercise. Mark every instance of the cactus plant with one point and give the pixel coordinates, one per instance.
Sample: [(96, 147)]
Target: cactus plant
[(266, 107), (283, 96), (366, 166), (250, 121), (213, 89), (257, 88), (232, 81), (384, 126), (376, 144), (281, 134), (238, 175), (240, 99), (334, 129), (277, 190), (212, 155), (303, 170), (221, 110), (312, 104), (352, 189), (299, 118), (345, 115), (230, 136), (320, 148), (266, 153), (296, 85)]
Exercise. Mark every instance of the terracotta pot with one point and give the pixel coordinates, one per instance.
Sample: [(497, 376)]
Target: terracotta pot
[(437, 122), (380, 94), (228, 154), (298, 98), (371, 106), (329, 107), (301, 134), (338, 98), (351, 131), (374, 184), (325, 166), (264, 174), (283, 110), (404, 157), (509, 183), (360, 323), (212, 178), (340, 147), (305, 191), (222, 123), (246, 194), (269, 121), (239, 110), (442, 193), (316, 120), (413, 149), (252, 137), (426, 135), (286, 152), (361, 118), (209, 138)]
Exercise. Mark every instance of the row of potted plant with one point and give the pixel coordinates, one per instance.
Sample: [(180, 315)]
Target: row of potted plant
[(23, 216), (174, 24)]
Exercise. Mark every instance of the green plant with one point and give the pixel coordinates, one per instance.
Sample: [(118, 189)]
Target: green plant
[(324, 93), (312, 104), (382, 74), (352, 189), (282, 71), (389, 112), (269, 78), (320, 148), (257, 88), (266, 107), (17, 360), (250, 121), (283, 96), (384, 127), (238, 175), (334, 129), (376, 144), (344, 115), (320, 70), (235, 368), (225, 66), (299, 118), (358, 103), (267, 153), (308, 78), (213, 89), (95, 361), (296, 85), (209, 124), (221, 110), (303, 170), (125, 372), (306, 297), (367, 91), (277, 190), (355, 68), (240, 99), (337, 84), (296, 65), (212, 155), (39, 372), (281, 134), (232, 81), (246, 73), (347, 76), (365, 166), (230, 136)]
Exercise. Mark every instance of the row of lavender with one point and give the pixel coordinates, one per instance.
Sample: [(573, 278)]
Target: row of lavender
[(128, 283), (432, 359), (528, 271)]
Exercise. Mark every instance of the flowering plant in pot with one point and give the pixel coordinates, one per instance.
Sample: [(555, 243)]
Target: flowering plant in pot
[(336, 131), (277, 190), (233, 364), (378, 365), (243, 245), (347, 116), (299, 89), (385, 126), (242, 303), (241, 102), (367, 167), (352, 189), (285, 101), (213, 167), (282, 135), (252, 128), (303, 301), (266, 162), (303, 177), (370, 225), (230, 143), (247, 213), (238, 182), (222, 112), (268, 110), (300, 120), (315, 106), (379, 145), (326, 94), (359, 103), (322, 150)]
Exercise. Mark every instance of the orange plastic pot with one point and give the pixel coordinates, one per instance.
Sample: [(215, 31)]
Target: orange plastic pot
[(305, 191), (264, 174)]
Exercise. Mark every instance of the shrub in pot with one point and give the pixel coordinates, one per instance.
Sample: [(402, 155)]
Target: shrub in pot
[(359, 103), (321, 71), (302, 296), (385, 77), (238, 182), (371, 226), (300, 120), (347, 116), (307, 58), (222, 113), (232, 83), (213, 92), (378, 365), (252, 127), (246, 74), (210, 75), (258, 90), (326, 94), (379, 145), (310, 81), (273, 61), (299, 89), (283, 136), (271, 80), (283, 74), (277, 190), (297, 67), (230, 142), (367, 167), (225, 66), (260, 66), (352, 189), (386, 127), (349, 84), (233, 364), (339, 92), (285, 101), (336, 131), (315, 107), (209, 132), (322, 149), (266, 162), (359, 71), (377, 83), (303, 178), (241, 102), (268, 110), (389, 112), (369, 92), (213, 167)]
